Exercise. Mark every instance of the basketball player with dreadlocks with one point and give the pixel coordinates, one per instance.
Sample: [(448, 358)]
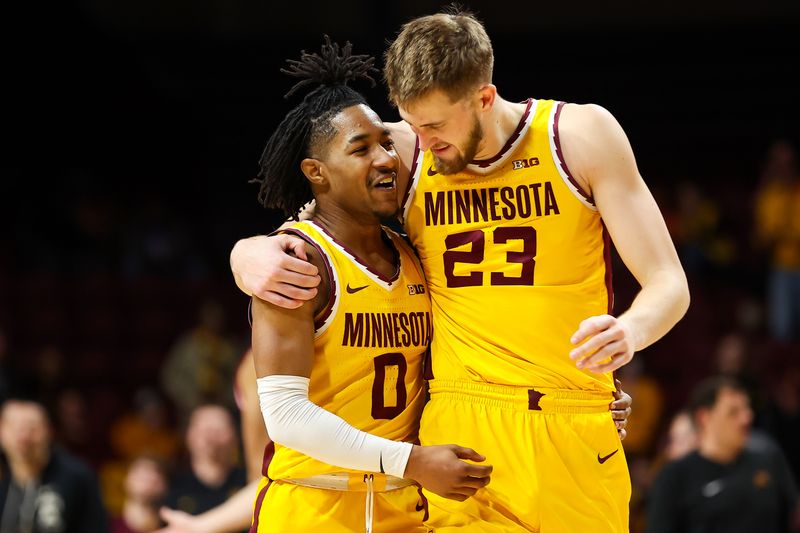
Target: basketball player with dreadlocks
[(340, 378)]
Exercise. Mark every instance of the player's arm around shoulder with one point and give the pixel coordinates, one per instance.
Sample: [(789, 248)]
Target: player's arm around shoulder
[(600, 157)]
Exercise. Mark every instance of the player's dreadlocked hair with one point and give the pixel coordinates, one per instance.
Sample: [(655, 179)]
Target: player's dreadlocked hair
[(307, 127)]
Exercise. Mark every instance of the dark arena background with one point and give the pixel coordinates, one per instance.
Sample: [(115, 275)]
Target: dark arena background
[(131, 129)]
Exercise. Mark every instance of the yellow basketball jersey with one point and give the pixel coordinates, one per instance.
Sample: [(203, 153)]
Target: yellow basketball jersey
[(368, 350), (515, 255)]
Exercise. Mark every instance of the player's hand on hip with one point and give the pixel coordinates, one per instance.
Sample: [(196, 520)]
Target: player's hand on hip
[(621, 409), (275, 269), (444, 471), (608, 344)]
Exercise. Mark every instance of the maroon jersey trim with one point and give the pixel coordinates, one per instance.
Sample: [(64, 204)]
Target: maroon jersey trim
[(560, 154), (333, 293), (354, 257), (609, 273), (483, 163)]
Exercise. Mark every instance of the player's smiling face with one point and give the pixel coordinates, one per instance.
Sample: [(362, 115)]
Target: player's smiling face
[(450, 130), (360, 164)]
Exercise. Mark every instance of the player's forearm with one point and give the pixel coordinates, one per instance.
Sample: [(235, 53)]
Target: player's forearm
[(235, 514), (296, 422), (663, 301)]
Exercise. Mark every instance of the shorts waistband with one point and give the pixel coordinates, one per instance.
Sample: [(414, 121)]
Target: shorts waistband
[(354, 482), (523, 398)]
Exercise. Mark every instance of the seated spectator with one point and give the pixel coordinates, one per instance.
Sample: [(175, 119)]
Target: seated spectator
[(47, 490), (723, 485), (200, 366), (212, 475), (682, 436), (777, 224), (145, 489)]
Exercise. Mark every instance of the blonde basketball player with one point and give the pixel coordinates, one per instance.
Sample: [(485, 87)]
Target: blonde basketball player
[(340, 377)]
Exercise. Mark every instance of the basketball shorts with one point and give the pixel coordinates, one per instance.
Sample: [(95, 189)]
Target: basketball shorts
[(558, 461), (283, 506)]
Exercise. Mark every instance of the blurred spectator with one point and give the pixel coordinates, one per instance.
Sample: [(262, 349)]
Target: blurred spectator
[(201, 365), (146, 429), (782, 415), (682, 436), (145, 489), (47, 489), (723, 486), (777, 221), (237, 511), (213, 474)]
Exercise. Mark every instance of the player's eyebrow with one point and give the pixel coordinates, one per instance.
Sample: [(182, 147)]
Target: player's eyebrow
[(357, 138), (362, 136)]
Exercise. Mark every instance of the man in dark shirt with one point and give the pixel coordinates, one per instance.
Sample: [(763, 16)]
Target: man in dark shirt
[(213, 475), (723, 486), (43, 489)]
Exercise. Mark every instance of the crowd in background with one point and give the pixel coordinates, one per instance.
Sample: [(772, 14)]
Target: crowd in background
[(132, 353)]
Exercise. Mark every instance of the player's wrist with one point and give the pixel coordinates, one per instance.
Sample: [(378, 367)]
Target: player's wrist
[(410, 471)]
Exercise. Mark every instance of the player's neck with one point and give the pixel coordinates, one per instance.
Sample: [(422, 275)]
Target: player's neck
[(363, 237), (498, 126)]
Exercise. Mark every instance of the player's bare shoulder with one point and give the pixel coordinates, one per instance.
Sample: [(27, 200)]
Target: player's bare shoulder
[(589, 134)]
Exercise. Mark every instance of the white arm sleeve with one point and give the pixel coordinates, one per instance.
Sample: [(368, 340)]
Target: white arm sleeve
[(295, 422)]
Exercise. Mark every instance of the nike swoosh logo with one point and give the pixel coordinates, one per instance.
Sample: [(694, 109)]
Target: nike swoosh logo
[(353, 290), (432, 171), (602, 460), (381, 465)]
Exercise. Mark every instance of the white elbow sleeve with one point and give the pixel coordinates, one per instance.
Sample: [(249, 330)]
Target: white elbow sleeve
[(295, 422)]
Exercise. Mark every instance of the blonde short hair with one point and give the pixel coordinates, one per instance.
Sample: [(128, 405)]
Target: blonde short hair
[(447, 51)]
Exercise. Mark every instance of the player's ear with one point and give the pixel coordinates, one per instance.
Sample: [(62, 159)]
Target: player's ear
[(487, 94), (314, 170)]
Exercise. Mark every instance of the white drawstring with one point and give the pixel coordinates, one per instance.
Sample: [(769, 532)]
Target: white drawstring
[(368, 479)]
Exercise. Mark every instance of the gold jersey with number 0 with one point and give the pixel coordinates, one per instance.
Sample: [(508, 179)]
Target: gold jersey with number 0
[(368, 349), (515, 255)]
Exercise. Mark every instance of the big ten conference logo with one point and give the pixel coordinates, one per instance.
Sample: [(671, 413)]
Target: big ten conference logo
[(416, 289), (518, 164)]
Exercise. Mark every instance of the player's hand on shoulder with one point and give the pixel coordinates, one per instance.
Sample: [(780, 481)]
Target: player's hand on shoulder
[(444, 470), (275, 269), (608, 344)]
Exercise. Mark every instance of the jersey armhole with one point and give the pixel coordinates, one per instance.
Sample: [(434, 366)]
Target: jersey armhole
[(561, 164), (324, 318)]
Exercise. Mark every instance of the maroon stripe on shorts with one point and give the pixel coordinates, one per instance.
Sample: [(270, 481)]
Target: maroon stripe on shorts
[(259, 503)]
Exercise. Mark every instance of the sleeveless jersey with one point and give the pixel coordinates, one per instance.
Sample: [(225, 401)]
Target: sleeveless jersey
[(369, 347), (515, 255)]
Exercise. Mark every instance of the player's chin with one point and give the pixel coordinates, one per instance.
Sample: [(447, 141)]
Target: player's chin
[(386, 210)]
